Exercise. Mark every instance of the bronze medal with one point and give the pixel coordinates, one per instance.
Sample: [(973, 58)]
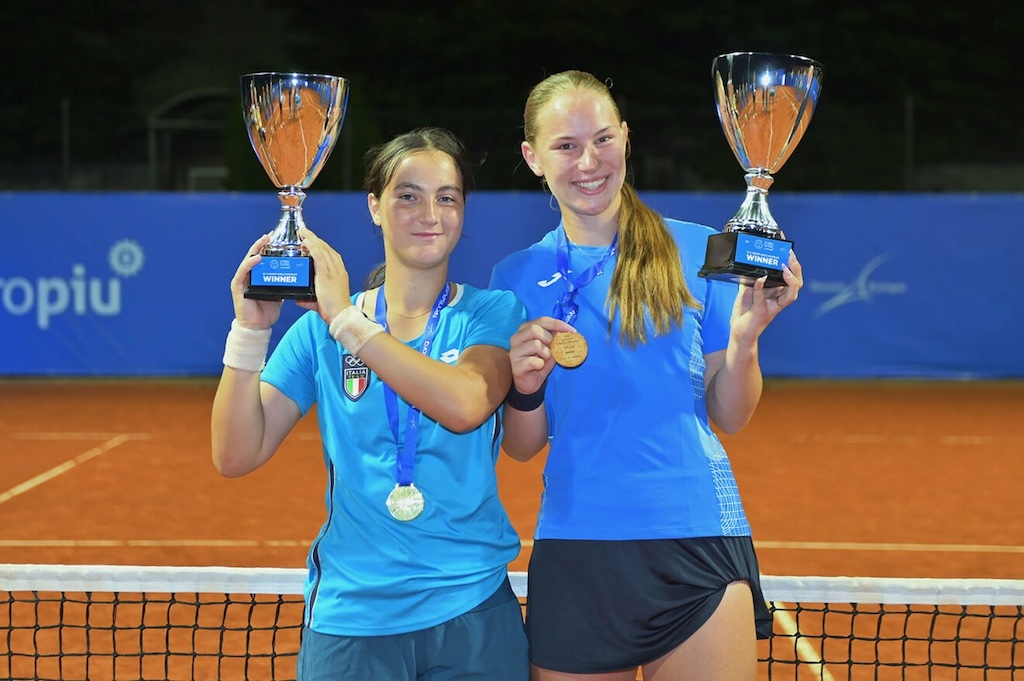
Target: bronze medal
[(569, 349), (405, 502)]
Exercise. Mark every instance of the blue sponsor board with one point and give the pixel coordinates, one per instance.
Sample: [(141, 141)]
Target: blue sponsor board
[(138, 284)]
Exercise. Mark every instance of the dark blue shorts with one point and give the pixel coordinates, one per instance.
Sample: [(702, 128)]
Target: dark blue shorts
[(604, 606), (486, 644)]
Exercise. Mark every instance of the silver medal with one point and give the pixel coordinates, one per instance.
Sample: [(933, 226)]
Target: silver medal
[(405, 502)]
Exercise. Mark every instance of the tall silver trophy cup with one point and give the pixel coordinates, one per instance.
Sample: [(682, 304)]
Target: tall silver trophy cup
[(765, 103), (293, 120)]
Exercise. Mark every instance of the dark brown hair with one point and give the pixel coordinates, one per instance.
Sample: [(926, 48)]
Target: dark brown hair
[(382, 161)]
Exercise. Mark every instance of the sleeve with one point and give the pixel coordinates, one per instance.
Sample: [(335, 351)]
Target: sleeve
[(498, 280), (717, 296), (717, 316), (495, 319), (290, 366)]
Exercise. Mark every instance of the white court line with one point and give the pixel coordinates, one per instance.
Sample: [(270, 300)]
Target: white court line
[(77, 436), (526, 543), (149, 543), (887, 546), (872, 546), (805, 652), (60, 469), (867, 439)]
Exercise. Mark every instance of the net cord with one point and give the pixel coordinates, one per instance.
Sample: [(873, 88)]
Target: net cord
[(289, 581)]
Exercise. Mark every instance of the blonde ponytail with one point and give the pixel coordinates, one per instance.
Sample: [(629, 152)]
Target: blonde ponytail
[(648, 282)]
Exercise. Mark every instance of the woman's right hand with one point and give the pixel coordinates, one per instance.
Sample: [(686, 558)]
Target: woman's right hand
[(251, 313), (530, 352), (333, 292)]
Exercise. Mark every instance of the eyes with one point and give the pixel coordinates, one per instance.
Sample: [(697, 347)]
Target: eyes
[(450, 198), (569, 145)]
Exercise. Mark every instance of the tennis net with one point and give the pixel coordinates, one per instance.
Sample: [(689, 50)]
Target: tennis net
[(68, 622)]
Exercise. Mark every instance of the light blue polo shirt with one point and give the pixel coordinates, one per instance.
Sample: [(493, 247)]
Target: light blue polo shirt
[(370, 574)]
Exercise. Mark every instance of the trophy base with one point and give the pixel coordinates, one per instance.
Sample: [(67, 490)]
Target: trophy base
[(743, 258), (279, 293), (282, 278)]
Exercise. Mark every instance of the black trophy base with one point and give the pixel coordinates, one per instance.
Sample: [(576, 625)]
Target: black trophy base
[(280, 293), (743, 258), (280, 276)]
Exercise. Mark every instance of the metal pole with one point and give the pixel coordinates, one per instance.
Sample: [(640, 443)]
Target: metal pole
[(908, 145), (151, 146), (65, 129)]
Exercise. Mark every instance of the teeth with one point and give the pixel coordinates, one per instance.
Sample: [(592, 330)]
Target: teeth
[(590, 185)]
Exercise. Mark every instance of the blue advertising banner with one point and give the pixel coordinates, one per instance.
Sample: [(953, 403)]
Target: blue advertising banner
[(918, 286), (896, 286)]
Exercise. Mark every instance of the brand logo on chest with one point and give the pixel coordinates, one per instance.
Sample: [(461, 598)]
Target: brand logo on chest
[(355, 377)]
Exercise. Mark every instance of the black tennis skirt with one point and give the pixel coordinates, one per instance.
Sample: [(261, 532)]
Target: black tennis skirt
[(603, 606)]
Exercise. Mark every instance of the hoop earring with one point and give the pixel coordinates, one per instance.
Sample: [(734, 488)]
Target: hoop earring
[(551, 196)]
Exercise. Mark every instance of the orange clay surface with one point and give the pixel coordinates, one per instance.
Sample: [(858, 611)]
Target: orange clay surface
[(838, 478)]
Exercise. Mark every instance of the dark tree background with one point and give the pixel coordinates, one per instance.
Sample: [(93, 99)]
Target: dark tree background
[(115, 95)]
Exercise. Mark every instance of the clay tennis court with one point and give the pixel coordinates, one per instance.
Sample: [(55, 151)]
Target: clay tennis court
[(893, 479)]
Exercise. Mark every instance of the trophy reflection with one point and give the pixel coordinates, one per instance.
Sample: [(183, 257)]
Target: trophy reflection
[(765, 103), (293, 121)]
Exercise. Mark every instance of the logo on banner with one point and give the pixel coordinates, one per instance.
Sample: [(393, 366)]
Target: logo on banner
[(355, 377), (126, 258), (860, 290), (80, 294)]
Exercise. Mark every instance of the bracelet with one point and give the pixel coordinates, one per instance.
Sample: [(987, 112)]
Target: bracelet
[(352, 328), (521, 402), (246, 349)]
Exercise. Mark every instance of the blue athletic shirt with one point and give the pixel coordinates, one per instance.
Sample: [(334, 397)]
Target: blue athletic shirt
[(370, 574), (632, 454)]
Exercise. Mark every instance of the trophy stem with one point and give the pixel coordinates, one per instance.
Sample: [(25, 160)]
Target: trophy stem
[(285, 239), (754, 215)]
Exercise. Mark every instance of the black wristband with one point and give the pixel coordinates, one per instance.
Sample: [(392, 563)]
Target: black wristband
[(521, 402)]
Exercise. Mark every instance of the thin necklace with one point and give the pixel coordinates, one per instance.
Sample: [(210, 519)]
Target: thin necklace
[(391, 310), (405, 316), (599, 264)]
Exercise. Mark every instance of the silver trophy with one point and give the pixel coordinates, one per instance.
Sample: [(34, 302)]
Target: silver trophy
[(765, 103), (293, 120)]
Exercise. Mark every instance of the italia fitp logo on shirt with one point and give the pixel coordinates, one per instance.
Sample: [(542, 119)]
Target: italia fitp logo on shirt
[(355, 377)]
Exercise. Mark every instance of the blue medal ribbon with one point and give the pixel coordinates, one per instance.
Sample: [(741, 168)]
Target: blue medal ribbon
[(406, 459), (566, 307)]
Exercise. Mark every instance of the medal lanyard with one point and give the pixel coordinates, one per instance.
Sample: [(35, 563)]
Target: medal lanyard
[(566, 307), (406, 460)]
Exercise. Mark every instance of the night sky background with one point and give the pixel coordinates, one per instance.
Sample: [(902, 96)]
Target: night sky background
[(910, 90)]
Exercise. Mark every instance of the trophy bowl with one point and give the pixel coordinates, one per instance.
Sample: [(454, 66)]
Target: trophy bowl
[(293, 121), (765, 102)]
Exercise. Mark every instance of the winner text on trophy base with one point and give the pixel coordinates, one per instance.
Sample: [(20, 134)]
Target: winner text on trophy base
[(744, 257)]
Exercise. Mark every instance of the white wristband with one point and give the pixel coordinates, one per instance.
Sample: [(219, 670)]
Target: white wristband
[(352, 328), (246, 349)]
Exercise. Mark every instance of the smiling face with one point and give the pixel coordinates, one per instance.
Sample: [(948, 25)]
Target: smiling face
[(420, 210), (578, 146)]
